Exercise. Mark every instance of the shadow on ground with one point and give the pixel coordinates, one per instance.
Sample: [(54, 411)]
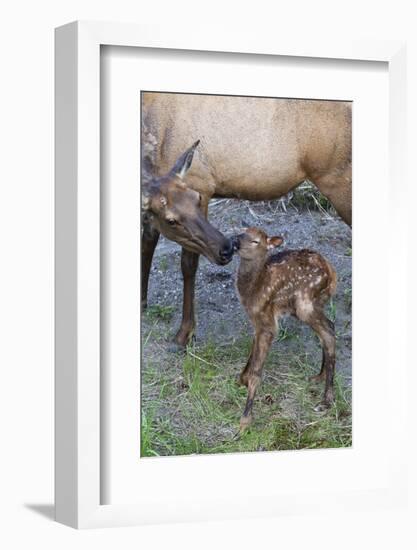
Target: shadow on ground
[(45, 510)]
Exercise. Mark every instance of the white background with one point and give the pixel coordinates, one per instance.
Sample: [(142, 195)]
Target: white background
[(26, 302)]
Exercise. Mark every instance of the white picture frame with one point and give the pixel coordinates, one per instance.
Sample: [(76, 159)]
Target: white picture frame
[(77, 500)]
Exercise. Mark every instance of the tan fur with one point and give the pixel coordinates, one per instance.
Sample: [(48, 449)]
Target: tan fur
[(253, 148)]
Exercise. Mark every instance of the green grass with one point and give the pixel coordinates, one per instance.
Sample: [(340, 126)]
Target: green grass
[(331, 310), (191, 403), (160, 312), (348, 297), (163, 264)]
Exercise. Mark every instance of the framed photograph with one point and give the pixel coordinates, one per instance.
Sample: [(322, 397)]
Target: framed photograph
[(225, 319)]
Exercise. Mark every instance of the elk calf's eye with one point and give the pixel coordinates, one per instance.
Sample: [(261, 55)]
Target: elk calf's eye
[(172, 222)]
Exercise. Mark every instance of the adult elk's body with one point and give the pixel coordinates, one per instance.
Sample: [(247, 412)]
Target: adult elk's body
[(250, 148)]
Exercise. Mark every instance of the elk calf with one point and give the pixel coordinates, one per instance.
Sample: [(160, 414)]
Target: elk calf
[(296, 282)]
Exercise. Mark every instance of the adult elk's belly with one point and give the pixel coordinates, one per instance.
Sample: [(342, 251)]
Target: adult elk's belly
[(258, 179), (257, 187)]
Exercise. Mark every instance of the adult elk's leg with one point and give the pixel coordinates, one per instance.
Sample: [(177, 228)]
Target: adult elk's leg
[(337, 187), (150, 238), (261, 345), (189, 264)]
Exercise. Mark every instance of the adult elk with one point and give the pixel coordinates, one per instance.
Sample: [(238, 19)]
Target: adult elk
[(250, 148)]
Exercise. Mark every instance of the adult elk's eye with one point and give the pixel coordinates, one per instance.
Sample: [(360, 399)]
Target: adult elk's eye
[(171, 221), (255, 242)]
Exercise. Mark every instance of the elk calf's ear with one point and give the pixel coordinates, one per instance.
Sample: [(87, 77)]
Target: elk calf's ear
[(273, 242), (183, 163)]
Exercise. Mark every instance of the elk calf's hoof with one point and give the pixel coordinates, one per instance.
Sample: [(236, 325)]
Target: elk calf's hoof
[(322, 407), (245, 422)]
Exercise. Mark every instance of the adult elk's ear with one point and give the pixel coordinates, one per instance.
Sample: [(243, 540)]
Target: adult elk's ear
[(273, 242), (183, 163), (146, 182), (146, 199)]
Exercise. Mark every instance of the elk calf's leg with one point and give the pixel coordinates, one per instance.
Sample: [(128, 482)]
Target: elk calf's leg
[(150, 238), (329, 389), (243, 377), (189, 264), (319, 377), (325, 330), (322, 373), (261, 345)]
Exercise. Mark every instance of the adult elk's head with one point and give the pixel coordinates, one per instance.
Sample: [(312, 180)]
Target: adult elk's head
[(177, 211)]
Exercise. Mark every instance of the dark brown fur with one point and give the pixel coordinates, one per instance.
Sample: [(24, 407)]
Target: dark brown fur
[(295, 282)]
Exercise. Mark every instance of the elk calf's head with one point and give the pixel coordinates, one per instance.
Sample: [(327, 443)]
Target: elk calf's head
[(178, 211), (254, 244)]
